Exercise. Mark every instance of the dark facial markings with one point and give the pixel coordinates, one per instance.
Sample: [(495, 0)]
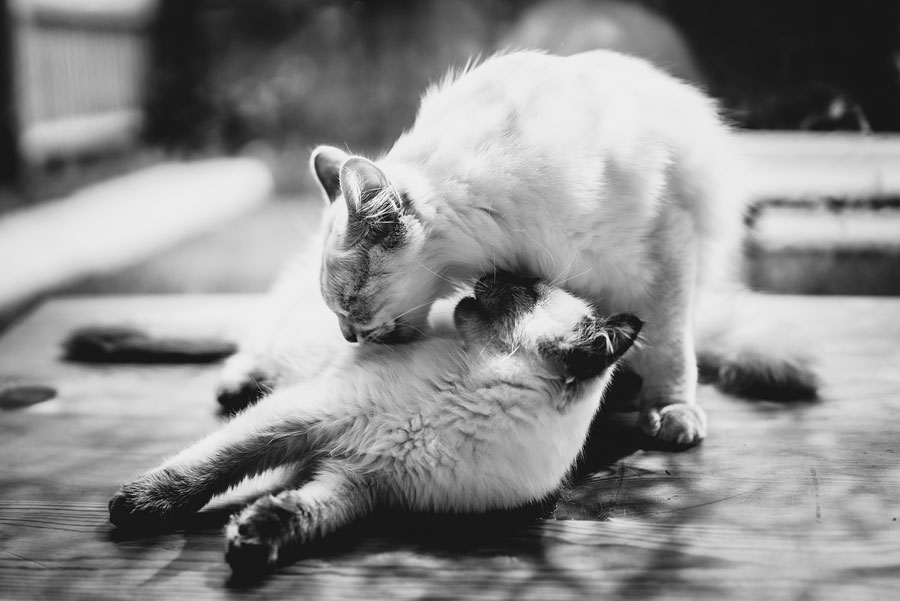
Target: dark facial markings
[(503, 292), (354, 281), (395, 238), (598, 343)]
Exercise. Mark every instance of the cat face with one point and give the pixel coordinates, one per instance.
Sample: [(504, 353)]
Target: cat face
[(371, 267), (512, 313)]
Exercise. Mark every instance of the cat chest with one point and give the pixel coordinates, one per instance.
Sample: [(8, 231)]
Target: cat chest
[(474, 460)]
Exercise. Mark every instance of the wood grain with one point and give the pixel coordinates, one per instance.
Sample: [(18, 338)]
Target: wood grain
[(781, 502)]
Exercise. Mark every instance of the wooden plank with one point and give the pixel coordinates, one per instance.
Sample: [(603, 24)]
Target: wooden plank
[(781, 502)]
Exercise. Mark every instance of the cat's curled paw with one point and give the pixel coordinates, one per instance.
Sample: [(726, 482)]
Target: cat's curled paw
[(150, 501), (254, 537), (242, 383), (679, 424)]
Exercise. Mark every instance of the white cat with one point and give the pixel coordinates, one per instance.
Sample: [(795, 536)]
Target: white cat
[(491, 417), (597, 172)]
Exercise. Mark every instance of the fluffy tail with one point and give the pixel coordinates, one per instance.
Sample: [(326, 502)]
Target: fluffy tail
[(747, 351)]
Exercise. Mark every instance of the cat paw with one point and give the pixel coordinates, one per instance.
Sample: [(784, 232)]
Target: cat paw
[(678, 424), (242, 383), (254, 537), (150, 501), (240, 395)]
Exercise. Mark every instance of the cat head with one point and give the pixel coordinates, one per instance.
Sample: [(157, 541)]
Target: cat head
[(372, 274), (511, 313)]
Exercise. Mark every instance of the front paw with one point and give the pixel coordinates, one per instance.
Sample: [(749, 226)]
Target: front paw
[(680, 424), (242, 383), (152, 500), (235, 397)]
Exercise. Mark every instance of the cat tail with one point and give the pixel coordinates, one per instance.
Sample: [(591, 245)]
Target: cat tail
[(747, 351)]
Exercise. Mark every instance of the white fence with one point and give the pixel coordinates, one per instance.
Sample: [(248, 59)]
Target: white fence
[(79, 68)]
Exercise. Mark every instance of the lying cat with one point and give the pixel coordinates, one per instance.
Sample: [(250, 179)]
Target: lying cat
[(490, 416), (596, 172)]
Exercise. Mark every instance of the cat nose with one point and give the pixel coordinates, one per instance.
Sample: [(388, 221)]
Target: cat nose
[(347, 329)]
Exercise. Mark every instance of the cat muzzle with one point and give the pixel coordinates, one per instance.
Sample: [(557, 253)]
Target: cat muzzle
[(347, 329), (386, 333)]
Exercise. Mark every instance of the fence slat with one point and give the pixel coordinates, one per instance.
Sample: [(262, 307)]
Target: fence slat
[(74, 65)]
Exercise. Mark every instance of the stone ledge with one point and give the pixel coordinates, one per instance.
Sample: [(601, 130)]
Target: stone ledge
[(801, 166), (799, 245), (809, 251)]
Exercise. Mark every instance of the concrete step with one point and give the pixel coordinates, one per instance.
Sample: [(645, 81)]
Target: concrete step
[(817, 251), (828, 217)]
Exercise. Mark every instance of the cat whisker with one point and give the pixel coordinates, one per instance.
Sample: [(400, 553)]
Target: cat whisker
[(560, 282), (408, 311), (563, 272), (513, 351), (549, 254), (414, 328), (434, 273)]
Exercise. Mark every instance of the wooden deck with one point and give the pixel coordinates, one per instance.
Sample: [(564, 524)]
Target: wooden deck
[(781, 502)]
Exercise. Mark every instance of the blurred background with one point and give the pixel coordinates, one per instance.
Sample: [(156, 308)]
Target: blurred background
[(153, 146)]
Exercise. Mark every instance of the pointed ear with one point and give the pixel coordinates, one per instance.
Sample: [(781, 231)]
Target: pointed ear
[(616, 334), (372, 204), (326, 163), (600, 342), (360, 180)]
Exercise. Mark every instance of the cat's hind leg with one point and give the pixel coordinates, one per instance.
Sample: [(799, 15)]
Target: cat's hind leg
[(258, 536)]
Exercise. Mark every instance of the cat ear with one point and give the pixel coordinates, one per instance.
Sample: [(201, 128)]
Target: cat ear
[(326, 163), (361, 179), (616, 334), (373, 205), (599, 343)]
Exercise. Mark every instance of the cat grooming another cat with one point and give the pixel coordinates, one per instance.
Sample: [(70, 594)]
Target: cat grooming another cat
[(596, 172), (489, 415)]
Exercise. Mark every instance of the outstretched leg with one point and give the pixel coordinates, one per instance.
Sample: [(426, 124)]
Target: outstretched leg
[(258, 535), (266, 436)]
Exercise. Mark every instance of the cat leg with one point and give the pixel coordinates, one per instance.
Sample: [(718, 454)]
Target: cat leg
[(666, 360), (295, 341), (668, 406), (257, 537), (277, 330), (265, 436)]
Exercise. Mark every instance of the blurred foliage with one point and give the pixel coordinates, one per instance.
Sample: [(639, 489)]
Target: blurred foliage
[(283, 70), (798, 64), (287, 74)]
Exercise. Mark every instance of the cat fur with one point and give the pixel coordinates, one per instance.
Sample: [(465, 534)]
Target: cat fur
[(488, 415), (597, 172)]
